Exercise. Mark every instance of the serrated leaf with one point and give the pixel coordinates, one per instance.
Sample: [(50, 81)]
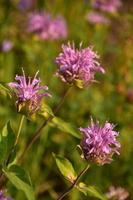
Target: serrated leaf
[(7, 139), (66, 127), (65, 167), (17, 179), (91, 191)]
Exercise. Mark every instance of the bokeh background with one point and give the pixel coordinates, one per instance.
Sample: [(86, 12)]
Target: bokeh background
[(109, 99)]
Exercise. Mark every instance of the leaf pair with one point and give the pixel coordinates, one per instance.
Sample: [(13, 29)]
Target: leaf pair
[(69, 173)]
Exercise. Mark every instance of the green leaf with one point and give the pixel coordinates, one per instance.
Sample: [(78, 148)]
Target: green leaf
[(20, 180), (9, 135), (65, 168), (79, 83), (66, 127), (45, 109), (4, 89), (7, 139), (91, 191), (20, 172)]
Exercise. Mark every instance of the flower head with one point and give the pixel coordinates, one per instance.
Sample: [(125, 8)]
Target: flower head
[(77, 65), (56, 29), (6, 45), (99, 142), (38, 21), (109, 6), (118, 193), (27, 92), (46, 27), (2, 197), (97, 18)]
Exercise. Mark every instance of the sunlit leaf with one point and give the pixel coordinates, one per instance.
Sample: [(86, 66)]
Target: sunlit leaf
[(65, 167), (45, 109), (91, 191)]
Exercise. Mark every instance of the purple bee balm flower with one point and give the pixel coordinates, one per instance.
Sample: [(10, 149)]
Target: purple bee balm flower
[(99, 142), (38, 21), (118, 193), (27, 92), (6, 46), (57, 29), (2, 197), (110, 6), (97, 18), (46, 27), (78, 66)]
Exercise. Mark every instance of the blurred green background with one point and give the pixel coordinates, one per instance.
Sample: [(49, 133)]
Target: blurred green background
[(110, 99)]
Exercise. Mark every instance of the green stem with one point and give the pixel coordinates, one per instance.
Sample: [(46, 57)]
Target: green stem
[(19, 129), (74, 183), (37, 134)]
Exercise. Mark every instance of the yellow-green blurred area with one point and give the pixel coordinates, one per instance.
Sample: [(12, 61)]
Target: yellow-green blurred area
[(110, 99)]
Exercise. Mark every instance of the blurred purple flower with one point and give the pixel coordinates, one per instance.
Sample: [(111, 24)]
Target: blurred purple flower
[(99, 143), (110, 6), (97, 18), (27, 92), (6, 45), (117, 193), (77, 65), (38, 21), (25, 4), (46, 27), (2, 197), (56, 29)]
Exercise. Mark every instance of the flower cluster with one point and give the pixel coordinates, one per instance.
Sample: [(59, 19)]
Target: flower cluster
[(6, 45), (46, 27), (110, 6), (2, 197), (27, 92), (118, 193), (97, 18), (99, 143), (78, 65)]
